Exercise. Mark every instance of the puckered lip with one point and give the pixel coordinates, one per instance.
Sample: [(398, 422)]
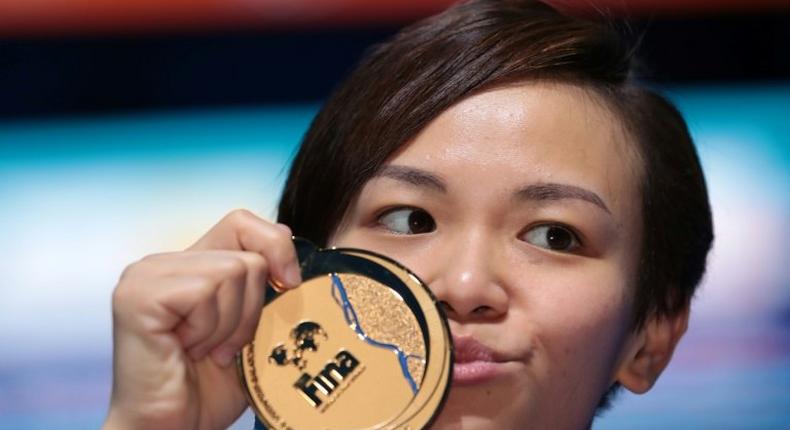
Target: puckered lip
[(470, 350)]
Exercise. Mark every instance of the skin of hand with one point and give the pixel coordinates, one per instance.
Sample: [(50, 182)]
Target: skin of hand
[(179, 319)]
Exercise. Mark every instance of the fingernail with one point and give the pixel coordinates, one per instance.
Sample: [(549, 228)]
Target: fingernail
[(293, 275), (223, 355), (277, 285)]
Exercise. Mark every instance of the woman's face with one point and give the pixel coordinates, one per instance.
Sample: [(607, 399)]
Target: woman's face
[(519, 207)]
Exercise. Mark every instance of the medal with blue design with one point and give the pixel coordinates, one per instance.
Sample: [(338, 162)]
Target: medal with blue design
[(361, 344)]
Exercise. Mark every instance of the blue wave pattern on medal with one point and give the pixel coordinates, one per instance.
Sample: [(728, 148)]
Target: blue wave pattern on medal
[(352, 320)]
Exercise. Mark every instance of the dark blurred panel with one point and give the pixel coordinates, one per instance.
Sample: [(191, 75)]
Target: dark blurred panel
[(90, 74), (725, 48), (101, 74)]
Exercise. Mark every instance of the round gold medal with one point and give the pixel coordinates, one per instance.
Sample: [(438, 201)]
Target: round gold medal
[(361, 344)]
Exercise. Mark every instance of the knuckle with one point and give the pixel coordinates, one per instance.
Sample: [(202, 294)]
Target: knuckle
[(134, 269), (143, 266), (232, 266), (128, 272), (121, 296), (256, 262), (125, 297), (240, 216), (204, 287), (279, 235)]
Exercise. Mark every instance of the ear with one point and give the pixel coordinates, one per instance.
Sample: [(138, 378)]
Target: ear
[(649, 351)]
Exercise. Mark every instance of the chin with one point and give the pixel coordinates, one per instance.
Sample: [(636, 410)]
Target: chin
[(464, 422), (476, 408)]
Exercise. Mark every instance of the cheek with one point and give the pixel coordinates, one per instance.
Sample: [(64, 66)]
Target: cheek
[(580, 321)]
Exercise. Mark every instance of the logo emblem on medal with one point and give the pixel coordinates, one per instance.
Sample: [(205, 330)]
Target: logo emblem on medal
[(304, 339)]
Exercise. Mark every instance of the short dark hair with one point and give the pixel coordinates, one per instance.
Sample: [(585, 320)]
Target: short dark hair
[(404, 83)]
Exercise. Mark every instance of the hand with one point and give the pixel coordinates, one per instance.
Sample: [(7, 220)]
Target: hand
[(179, 318)]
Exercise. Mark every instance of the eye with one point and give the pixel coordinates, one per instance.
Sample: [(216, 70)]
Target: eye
[(408, 221), (553, 237)]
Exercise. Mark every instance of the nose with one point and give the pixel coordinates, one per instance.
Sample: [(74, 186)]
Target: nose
[(467, 280)]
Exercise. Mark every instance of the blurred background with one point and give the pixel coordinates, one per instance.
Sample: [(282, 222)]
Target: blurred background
[(130, 127)]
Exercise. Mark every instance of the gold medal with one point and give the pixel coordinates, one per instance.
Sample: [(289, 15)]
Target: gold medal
[(361, 344)]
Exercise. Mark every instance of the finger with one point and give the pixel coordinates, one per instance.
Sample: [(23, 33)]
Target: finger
[(157, 293), (152, 309), (228, 304), (242, 230), (254, 294), (230, 274), (239, 302), (188, 293), (199, 321)]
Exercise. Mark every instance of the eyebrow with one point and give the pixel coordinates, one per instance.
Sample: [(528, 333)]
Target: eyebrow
[(413, 176), (552, 191), (536, 192)]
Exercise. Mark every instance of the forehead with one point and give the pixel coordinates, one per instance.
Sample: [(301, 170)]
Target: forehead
[(531, 133)]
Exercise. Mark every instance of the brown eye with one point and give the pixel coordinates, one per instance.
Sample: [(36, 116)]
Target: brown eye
[(408, 221), (553, 237)]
